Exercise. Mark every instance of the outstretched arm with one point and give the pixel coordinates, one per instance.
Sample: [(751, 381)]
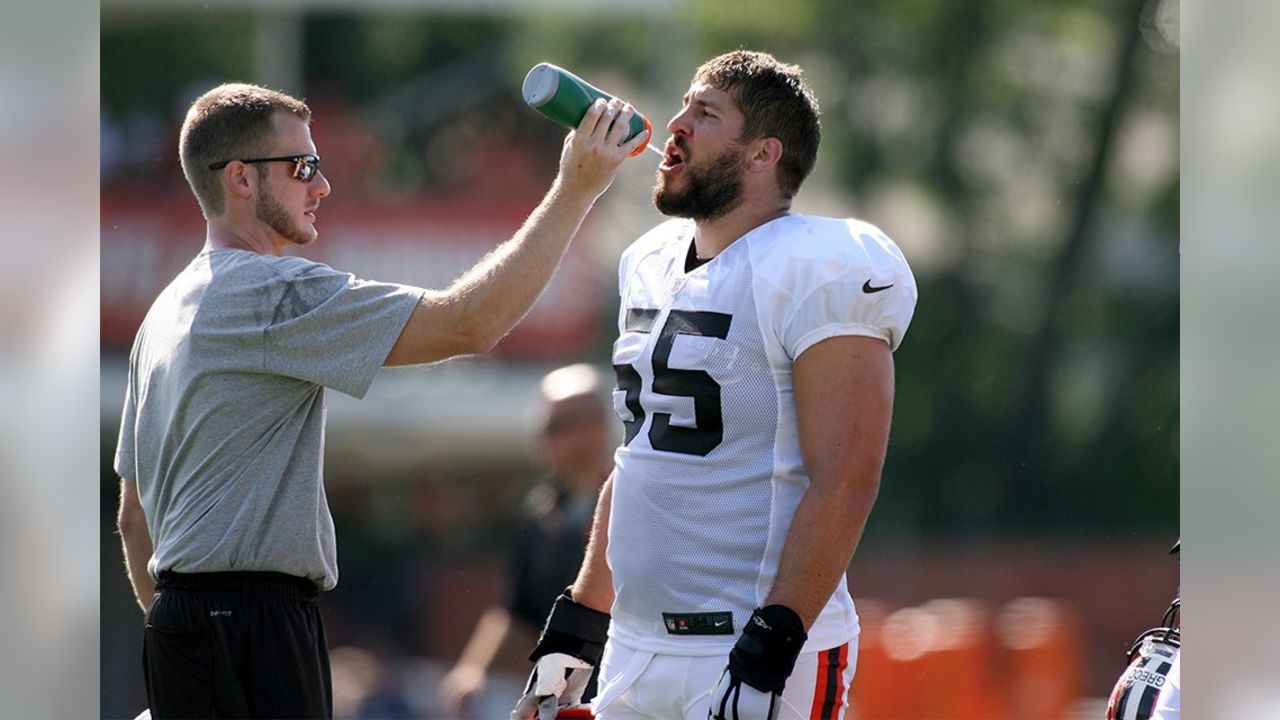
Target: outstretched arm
[(482, 305)]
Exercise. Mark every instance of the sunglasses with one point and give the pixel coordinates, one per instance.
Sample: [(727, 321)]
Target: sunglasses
[(305, 167)]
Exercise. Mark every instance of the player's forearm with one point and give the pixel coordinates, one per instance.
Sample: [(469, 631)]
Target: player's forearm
[(594, 586), (824, 535)]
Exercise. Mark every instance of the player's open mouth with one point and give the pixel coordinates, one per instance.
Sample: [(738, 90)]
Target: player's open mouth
[(673, 159)]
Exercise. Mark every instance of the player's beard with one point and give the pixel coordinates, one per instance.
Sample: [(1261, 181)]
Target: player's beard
[(274, 214), (709, 193)]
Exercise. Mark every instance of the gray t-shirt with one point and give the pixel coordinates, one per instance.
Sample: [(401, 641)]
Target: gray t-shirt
[(224, 414)]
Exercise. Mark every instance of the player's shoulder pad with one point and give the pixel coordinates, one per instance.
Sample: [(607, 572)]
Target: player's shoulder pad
[(801, 250), (818, 275)]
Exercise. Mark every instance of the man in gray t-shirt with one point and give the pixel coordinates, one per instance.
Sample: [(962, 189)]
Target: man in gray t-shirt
[(226, 530), (226, 445)]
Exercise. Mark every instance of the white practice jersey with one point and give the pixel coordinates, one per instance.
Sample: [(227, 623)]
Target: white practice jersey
[(710, 473)]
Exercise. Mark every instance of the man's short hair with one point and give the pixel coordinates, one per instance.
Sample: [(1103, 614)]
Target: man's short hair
[(775, 102), (229, 122)]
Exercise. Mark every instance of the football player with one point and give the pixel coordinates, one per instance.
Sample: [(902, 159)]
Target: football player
[(755, 383)]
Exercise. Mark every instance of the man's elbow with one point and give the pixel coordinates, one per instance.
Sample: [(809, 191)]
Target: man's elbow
[(128, 522), (455, 342), (855, 490), (480, 340), (864, 489), (871, 490), (443, 327), (131, 521), (477, 326), (473, 340)]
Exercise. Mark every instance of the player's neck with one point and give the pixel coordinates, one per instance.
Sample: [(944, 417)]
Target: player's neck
[(713, 236)]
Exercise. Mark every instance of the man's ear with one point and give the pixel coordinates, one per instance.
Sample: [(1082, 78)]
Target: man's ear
[(240, 179), (766, 153)]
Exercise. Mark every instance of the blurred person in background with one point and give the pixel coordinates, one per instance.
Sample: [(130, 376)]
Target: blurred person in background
[(571, 429), (755, 383), (226, 529)]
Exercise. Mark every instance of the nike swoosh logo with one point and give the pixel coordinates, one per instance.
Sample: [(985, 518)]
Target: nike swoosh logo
[(868, 288), (722, 622)]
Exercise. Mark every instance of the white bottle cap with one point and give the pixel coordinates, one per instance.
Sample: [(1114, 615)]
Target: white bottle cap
[(540, 84)]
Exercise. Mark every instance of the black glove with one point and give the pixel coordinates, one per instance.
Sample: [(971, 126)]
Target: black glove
[(569, 649), (759, 665)]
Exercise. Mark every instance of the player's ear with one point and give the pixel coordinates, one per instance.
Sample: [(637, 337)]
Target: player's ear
[(766, 153)]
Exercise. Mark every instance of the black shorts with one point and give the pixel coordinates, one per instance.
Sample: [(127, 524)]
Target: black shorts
[(236, 645)]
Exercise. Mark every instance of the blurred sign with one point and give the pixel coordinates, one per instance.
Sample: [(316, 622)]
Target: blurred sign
[(146, 241)]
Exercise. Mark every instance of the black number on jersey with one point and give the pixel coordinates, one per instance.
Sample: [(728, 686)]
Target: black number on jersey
[(639, 320), (708, 430)]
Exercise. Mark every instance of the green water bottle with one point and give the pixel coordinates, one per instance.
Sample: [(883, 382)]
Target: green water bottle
[(565, 98)]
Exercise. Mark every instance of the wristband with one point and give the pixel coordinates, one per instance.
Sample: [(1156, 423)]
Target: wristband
[(766, 652), (573, 629)]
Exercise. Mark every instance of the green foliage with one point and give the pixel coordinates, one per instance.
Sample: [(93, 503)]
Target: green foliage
[(366, 54), (159, 64)]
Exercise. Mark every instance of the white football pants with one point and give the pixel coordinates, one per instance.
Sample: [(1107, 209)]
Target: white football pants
[(635, 685)]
